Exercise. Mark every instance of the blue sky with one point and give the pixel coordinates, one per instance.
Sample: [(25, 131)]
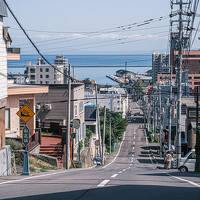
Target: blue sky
[(75, 20)]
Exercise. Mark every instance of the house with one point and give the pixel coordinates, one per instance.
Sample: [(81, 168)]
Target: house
[(92, 125), (52, 110), (19, 95)]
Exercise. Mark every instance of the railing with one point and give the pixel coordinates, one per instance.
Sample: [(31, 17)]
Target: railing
[(35, 140)]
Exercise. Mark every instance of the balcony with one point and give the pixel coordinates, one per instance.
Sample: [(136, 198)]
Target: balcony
[(13, 53)]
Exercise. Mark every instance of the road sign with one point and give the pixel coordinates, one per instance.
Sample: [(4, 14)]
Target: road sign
[(76, 123), (25, 113), (25, 136)]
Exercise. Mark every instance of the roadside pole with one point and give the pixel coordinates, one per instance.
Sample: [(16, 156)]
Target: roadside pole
[(103, 139), (98, 123), (197, 148), (25, 141), (160, 119), (25, 114), (68, 120), (110, 135)]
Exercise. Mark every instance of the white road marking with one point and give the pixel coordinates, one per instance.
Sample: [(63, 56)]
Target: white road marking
[(124, 170), (117, 153), (113, 176), (185, 180), (133, 143), (103, 183), (43, 175), (120, 172), (133, 148)]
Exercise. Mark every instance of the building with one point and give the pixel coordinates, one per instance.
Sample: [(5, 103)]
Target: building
[(91, 124), (160, 65), (42, 73), (19, 95), (52, 109), (17, 78), (193, 79)]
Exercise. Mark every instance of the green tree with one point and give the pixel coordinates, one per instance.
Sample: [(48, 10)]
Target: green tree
[(87, 82), (118, 125)]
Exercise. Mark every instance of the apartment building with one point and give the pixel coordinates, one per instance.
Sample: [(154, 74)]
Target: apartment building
[(42, 73), (160, 65)]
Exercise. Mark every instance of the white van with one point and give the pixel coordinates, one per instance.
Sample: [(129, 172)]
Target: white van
[(187, 163)]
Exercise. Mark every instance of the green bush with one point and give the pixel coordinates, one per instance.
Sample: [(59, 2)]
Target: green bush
[(14, 144), (88, 133)]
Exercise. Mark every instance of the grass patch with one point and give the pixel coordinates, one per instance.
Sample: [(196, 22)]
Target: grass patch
[(37, 165)]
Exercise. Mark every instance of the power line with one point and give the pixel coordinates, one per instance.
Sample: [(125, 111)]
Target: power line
[(38, 51)]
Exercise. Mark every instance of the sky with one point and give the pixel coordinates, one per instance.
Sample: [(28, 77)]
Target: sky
[(90, 26)]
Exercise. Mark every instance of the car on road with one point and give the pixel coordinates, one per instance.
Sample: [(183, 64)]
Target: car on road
[(187, 163), (97, 161)]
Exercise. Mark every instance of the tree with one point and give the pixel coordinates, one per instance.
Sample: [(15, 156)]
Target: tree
[(119, 125), (87, 82)]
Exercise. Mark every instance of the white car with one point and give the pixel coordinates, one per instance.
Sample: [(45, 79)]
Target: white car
[(187, 163)]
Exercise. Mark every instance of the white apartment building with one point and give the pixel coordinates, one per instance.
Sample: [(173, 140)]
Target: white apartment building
[(42, 73), (114, 99)]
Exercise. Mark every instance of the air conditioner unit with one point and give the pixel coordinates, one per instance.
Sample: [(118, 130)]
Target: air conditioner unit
[(38, 107), (47, 107)]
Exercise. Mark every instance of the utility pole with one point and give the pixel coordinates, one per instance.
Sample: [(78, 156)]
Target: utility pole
[(160, 118), (98, 122), (197, 148), (181, 40), (103, 139), (179, 81), (68, 120), (110, 135), (170, 112)]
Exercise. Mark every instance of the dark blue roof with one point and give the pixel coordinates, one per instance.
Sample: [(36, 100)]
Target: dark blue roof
[(3, 9)]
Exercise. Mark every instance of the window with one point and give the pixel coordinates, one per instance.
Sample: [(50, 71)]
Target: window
[(75, 110), (32, 77), (47, 76), (40, 82), (47, 82), (7, 118), (41, 76), (47, 69), (80, 107), (41, 70), (192, 156), (32, 70)]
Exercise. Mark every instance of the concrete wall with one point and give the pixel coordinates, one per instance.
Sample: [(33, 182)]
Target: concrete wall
[(5, 161)]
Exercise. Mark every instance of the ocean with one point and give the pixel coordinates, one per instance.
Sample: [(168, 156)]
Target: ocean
[(98, 73)]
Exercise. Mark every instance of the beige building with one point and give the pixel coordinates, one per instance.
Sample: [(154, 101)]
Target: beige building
[(42, 73), (19, 95)]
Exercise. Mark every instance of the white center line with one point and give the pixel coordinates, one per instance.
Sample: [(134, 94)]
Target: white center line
[(113, 176), (124, 170), (120, 172), (103, 183)]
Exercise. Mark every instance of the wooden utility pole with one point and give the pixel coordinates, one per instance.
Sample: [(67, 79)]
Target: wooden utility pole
[(103, 139), (68, 163)]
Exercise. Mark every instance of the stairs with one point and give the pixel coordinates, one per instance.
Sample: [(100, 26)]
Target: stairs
[(52, 146)]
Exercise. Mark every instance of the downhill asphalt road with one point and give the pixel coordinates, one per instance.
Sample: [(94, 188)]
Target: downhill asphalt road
[(131, 175)]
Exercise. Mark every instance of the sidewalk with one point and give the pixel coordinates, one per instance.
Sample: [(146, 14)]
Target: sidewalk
[(174, 173)]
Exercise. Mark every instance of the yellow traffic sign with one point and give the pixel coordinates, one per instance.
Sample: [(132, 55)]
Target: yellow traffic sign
[(25, 113)]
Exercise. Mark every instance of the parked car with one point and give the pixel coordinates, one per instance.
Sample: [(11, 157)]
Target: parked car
[(187, 163), (97, 161)]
